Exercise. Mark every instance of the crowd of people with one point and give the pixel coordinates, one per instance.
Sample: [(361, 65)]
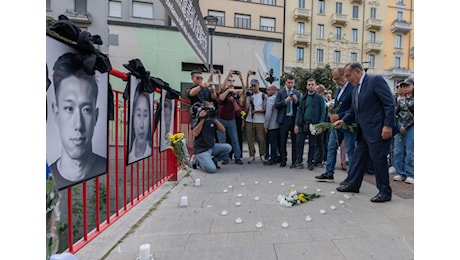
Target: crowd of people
[(383, 125)]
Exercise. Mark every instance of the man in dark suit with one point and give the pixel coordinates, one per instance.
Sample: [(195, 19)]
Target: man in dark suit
[(286, 102), (342, 103), (373, 109)]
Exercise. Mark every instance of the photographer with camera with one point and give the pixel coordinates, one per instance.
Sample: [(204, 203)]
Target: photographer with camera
[(256, 104), (229, 106), (201, 91), (207, 153)]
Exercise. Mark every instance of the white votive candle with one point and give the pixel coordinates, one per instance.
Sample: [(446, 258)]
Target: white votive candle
[(144, 252)]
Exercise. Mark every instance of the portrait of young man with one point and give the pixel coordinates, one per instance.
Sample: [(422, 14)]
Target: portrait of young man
[(77, 118)]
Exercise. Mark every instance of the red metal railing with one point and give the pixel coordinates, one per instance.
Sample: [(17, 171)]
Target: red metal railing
[(88, 205)]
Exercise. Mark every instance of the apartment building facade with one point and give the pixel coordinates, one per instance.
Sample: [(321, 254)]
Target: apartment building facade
[(319, 32), (399, 41), (254, 35)]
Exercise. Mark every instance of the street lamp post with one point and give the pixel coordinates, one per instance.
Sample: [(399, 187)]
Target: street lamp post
[(211, 20)]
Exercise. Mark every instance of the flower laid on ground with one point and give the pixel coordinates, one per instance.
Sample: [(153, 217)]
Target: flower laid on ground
[(295, 197), (179, 148)]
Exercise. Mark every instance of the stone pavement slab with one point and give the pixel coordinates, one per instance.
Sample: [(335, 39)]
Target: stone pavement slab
[(356, 229)]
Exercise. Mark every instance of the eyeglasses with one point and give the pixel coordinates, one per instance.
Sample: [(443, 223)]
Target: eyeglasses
[(231, 80), (199, 78), (335, 79)]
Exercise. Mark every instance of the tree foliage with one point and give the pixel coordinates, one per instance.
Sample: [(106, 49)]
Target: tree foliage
[(321, 75)]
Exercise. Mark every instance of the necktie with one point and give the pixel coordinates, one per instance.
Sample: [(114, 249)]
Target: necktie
[(288, 108), (357, 95)]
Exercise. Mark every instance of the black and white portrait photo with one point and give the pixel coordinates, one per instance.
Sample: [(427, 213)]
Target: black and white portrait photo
[(167, 120), (140, 123), (76, 125)]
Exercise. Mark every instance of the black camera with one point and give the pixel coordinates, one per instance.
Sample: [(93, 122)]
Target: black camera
[(253, 73), (249, 92), (235, 96), (211, 112), (236, 72)]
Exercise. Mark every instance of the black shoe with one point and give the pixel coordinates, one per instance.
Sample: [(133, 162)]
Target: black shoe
[(278, 160), (310, 167), (381, 197), (217, 165), (344, 182), (194, 166), (283, 164), (296, 166), (346, 188), (238, 161), (325, 177), (224, 162), (269, 163)]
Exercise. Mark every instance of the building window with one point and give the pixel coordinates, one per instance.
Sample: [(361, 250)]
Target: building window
[(220, 17), (373, 13), (48, 4), (355, 11), (301, 4), (338, 33), (400, 1), (353, 56), (398, 41), (142, 10), (338, 7), (400, 15), (320, 31), (371, 36), (321, 7), (337, 56), (267, 24), (268, 2), (300, 54), (80, 7), (397, 62), (243, 21), (301, 28), (354, 35), (319, 55), (371, 60), (115, 9)]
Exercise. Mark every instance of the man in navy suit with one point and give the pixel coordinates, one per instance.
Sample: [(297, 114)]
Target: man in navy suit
[(342, 103), (287, 101), (373, 109)]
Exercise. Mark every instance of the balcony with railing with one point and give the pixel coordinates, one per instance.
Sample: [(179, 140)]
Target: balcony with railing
[(301, 38), (78, 17), (374, 24), (397, 73), (302, 14), (400, 26), (356, 1), (373, 47), (339, 19)]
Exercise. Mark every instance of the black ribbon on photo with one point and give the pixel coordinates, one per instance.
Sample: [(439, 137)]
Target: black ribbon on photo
[(91, 59), (148, 83)]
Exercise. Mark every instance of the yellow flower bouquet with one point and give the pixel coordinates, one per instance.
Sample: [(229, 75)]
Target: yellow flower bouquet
[(179, 148)]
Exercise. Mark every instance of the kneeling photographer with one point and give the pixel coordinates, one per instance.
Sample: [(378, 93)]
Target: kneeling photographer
[(229, 105), (207, 153)]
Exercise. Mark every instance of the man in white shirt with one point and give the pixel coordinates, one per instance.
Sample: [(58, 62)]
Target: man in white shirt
[(255, 119)]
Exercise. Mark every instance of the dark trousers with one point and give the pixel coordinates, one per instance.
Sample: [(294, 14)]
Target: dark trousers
[(312, 140), (375, 152), (286, 127), (273, 137)]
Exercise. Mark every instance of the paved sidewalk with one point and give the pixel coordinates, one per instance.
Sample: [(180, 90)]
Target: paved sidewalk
[(356, 229)]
